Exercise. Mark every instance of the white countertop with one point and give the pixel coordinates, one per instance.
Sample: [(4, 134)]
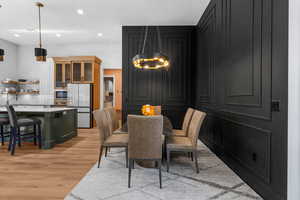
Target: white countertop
[(41, 109)]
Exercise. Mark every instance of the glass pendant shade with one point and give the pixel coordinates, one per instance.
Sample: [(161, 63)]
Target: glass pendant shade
[(1, 55), (157, 61)]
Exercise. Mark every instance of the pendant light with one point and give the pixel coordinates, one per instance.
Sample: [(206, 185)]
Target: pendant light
[(158, 59), (1, 55), (39, 52)]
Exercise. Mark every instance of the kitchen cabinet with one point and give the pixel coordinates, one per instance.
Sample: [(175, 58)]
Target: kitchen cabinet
[(78, 70), (83, 72), (62, 74)]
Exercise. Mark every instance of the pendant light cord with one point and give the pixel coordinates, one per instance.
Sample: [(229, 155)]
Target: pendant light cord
[(40, 28), (159, 39), (145, 39)]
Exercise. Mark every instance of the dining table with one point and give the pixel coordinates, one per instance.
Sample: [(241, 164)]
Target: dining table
[(167, 131), (167, 127)]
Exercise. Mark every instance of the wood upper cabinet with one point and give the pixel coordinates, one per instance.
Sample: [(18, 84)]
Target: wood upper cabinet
[(83, 72), (76, 69), (62, 74)]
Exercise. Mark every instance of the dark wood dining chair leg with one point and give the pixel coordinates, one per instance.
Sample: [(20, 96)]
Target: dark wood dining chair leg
[(196, 161), (40, 135), (165, 148), (192, 156), (106, 148), (100, 155), (162, 153), (35, 135), (168, 160), (19, 137), (129, 172), (2, 134), (159, 168), (126, 154)]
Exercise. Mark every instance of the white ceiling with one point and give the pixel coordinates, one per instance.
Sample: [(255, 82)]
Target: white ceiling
[(100, 16)]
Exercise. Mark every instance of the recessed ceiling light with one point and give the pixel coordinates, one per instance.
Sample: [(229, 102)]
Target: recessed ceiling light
[(30, 29), (100, 34), (58, 35), (16, 35), (80, 12)]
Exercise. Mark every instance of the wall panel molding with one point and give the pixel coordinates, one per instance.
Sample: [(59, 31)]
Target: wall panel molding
[(235, 83), (171, 89)]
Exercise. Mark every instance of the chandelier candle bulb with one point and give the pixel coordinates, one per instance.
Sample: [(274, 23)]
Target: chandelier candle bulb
[(157, 61)]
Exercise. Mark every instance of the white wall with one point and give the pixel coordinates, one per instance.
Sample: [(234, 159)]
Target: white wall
[(109, 53), (8, 67), (294, 102), (28, 68)]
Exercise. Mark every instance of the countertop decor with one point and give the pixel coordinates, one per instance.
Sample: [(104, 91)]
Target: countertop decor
[(10, 86)]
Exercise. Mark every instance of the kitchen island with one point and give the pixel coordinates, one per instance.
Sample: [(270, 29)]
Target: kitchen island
[(59, 124)]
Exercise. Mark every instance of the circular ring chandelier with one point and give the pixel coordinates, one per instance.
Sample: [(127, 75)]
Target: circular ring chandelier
[(158, 59)]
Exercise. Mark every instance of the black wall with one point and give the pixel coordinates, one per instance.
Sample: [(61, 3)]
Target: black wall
[(171, 89), (234, 66), (242, 66)]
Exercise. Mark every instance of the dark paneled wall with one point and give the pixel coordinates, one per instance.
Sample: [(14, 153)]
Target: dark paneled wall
[(241, 69), (234, 66), (171, 89)]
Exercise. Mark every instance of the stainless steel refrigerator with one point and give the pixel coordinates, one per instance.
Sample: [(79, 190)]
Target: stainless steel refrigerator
[(80, 96)]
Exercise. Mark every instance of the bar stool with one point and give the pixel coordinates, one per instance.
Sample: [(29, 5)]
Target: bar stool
[(16, 124), (3, 122)]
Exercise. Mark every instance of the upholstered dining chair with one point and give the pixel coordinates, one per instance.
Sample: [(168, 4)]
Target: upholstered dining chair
[(157, 110), (189, 143), (145, 141), (113, 123), (108, 140), (16, 124), (112, 114), (183, 132)]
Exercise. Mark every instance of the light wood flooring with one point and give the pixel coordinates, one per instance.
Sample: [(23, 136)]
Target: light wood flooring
[(34, 174)]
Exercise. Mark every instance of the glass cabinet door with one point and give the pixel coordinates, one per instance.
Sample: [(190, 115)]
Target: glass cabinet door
[(88, 72), (68, 73), (58, 75), (77, 77)]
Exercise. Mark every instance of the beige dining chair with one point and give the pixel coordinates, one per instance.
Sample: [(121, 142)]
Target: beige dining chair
[(145, 141), (157, 110), (108, 140), (186, 123), (189, 143), (112, 114), (113, 123)]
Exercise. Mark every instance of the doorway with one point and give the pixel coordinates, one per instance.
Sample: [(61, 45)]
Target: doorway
[(109, 91)]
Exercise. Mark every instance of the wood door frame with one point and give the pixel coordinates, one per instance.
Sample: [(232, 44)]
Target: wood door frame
[(114, 86)]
